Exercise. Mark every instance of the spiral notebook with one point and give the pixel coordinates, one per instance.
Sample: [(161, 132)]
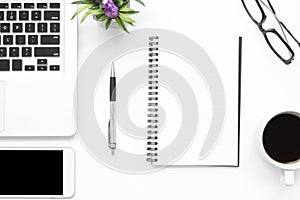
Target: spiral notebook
[(194, 111), (152, 106), (174, 92)]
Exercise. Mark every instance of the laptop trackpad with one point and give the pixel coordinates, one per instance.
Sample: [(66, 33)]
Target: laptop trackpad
[(2, 98)]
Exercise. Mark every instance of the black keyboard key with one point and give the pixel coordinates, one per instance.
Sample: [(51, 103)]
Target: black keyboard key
[(29, 27), (42, 68), (4, 5), (5, 27), (54, 27), (17, 65), (14, 52), (42, 5), (23, 15), (51, 15), (42, 61), (16, 5), (11, 15), (4, 65), (36, 15), (32, 39), (1, 15), (29, 67), (54, 5), (50, 39), (3, 52), (54, 67), (42, 27), (26, 52), (17, 27), (8, 39), (20, 39), (29, 5), (46, 51)]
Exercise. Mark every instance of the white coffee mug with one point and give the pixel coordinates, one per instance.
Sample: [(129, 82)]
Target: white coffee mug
[(270, 127)]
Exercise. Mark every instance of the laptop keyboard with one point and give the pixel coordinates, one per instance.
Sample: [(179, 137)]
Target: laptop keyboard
[(31, 36)]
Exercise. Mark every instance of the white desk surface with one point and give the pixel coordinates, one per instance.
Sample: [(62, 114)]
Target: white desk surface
[(267, 85)]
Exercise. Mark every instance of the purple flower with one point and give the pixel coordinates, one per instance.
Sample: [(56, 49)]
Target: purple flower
[(104, 3), (110, 9)]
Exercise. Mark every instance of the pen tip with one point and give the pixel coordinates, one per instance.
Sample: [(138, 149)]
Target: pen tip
[(112, 152), (113, 69)]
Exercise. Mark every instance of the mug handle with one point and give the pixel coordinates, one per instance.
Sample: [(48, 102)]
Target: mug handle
[(288, 177)]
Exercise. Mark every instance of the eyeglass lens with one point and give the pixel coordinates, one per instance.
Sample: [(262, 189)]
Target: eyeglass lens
[(253, 10), (278, 45)]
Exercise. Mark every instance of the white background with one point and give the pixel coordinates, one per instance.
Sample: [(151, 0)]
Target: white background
[(268, 86)]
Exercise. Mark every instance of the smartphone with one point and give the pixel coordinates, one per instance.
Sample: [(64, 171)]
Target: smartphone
[(37, 172)]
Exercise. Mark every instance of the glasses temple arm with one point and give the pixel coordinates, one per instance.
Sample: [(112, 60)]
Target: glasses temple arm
[(271, 7), (289, 32)]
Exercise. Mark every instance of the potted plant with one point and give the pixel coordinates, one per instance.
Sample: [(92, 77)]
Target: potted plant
[(107, 11)]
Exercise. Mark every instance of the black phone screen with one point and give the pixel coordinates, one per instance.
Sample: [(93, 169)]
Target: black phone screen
[(31, 172)]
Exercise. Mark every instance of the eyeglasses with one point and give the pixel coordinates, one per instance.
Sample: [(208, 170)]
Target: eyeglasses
[(277, 42)]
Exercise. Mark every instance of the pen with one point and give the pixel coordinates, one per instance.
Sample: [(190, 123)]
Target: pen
[(112, 120)]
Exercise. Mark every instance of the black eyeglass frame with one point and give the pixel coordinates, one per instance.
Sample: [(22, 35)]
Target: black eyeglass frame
[(274, 31)]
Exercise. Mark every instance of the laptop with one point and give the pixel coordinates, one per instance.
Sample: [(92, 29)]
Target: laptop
[(38, 68)]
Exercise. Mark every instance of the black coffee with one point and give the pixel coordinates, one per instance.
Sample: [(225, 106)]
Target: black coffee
[(281, 138)]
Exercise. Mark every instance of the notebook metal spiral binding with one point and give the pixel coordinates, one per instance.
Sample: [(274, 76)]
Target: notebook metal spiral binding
[(152, 122)]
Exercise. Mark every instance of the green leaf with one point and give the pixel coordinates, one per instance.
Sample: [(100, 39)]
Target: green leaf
[(132, 24), (78, 2), (80, 10), (97, 12), (85, 16), (102, 18), (108, 22), (99, 6), (140, 1), (128, 11), (121, 24), (83, 2), (126, 18), (124, 5), (125, 9), (98, 16), (118, 2), (91, 12), (94, 8)]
